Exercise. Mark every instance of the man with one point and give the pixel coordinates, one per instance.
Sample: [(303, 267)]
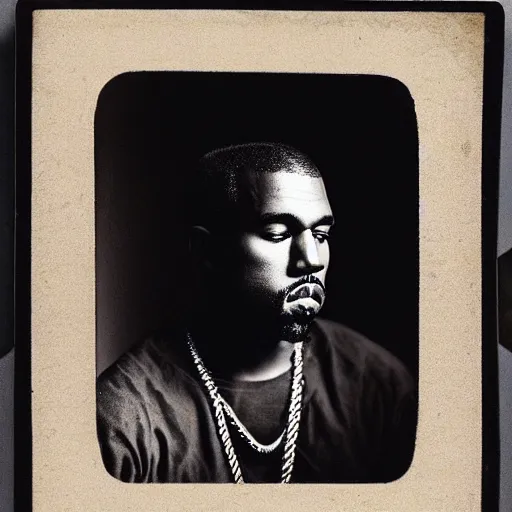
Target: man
[(254, 387)]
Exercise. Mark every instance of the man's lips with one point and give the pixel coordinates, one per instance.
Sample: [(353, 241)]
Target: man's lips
[(307, 291)]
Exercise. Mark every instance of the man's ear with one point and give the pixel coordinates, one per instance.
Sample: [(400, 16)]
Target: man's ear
[(200, 246)]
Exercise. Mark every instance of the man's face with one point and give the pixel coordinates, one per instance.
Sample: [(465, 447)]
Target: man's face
[(282, 252)]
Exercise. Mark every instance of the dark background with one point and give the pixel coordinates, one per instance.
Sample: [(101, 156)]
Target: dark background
[(361, 132)]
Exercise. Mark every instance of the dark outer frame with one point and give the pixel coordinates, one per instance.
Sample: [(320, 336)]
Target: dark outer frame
[(491, 129)]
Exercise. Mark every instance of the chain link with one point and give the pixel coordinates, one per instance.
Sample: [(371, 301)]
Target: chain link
[(220, 406)]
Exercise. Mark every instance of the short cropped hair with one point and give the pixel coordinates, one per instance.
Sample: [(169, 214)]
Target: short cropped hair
[(216, 191)]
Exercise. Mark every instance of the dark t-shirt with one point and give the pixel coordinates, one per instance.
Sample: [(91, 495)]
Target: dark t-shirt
[(358, 421), (262, 407)]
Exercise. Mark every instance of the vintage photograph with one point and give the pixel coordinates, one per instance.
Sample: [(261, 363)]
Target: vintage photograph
[(257, 277), (258, 246)]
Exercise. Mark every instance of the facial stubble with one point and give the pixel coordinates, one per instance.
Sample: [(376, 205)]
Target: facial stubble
[(295, 326)]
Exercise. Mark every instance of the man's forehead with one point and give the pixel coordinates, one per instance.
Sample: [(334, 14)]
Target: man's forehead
[(288, 190)]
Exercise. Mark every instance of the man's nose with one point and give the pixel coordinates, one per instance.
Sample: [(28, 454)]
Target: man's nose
[(305, 257)]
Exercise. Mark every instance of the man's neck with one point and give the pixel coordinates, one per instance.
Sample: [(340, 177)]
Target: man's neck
[(242, 357), (269, 367)]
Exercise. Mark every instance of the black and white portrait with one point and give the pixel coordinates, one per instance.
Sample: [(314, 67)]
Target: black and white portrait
[(257, 277)]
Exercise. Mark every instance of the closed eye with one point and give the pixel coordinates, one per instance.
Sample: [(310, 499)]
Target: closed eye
[(321, 236), (276, 232), (277, 238), (322, 232)]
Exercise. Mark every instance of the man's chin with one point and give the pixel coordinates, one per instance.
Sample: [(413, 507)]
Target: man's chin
[(296, 332)]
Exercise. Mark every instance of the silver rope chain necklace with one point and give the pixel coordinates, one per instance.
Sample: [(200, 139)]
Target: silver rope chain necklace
[(221, 409)]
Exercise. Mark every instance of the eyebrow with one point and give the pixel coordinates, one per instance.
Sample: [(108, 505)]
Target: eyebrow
[(289, 218)]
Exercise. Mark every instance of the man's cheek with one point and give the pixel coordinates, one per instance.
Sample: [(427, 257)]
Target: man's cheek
[(259, 262), (253, 254)]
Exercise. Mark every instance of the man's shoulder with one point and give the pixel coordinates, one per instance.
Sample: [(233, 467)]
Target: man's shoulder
[(146, 369), (120, 387), (350, 341), (132, 365), (360, 353)]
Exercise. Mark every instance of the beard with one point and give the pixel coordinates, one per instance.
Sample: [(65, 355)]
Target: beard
[(295, 331), (286, 314), (291, 319)]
